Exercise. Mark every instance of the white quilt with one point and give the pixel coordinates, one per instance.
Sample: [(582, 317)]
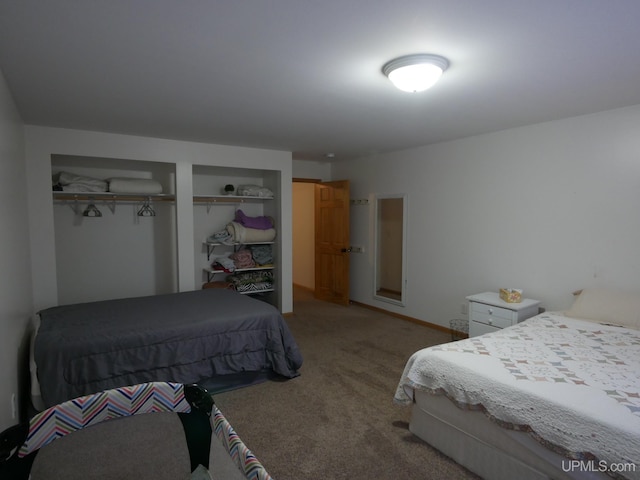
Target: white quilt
[(573, 384)]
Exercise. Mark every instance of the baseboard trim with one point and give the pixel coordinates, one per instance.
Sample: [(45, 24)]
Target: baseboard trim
[(303, 287), (409, 319), (392, 314)]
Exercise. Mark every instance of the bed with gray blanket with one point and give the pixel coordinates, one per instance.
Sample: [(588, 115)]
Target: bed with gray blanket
[(188, 337)]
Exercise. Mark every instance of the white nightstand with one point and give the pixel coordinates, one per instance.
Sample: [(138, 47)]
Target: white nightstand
[(488, 312)]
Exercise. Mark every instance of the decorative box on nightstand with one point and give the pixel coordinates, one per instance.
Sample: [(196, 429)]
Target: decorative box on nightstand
[(488, 312)]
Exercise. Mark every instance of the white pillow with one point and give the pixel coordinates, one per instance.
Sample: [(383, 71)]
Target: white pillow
[(607, 306), (134, 185)]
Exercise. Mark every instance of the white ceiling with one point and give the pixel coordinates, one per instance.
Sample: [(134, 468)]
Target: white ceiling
[(305, 76)]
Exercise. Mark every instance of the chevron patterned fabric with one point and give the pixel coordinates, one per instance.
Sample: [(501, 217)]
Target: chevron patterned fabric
[(81, 412), (238, 451)]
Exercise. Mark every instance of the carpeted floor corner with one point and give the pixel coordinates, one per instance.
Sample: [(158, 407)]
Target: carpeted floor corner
[(337, 420)]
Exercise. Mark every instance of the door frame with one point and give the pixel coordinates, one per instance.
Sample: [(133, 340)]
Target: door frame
[(318, 181), (307, 197)]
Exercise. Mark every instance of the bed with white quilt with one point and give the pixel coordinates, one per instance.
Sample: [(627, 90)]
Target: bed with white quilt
[(556, 396)]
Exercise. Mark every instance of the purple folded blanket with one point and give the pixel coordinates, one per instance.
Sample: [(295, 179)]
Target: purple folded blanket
[(260, 223)]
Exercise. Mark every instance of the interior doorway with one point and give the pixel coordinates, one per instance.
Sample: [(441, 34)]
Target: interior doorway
[(304, 233), (320, 228)]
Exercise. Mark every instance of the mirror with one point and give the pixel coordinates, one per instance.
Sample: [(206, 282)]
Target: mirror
[(390, 248)]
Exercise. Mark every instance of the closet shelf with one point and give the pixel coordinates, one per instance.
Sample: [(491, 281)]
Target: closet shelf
[(117, 197), (228, 199), (256, 292), (85, 196), (211, 246), (213, 271), (235, 244)]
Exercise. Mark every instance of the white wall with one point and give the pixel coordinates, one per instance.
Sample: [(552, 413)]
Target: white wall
[(42, 142), (15, 264), (548, 208), (310, 169)]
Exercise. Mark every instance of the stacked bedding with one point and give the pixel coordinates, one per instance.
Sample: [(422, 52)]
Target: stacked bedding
[(255, 281), (244, 229), (134, 185), (248, 258), (70, 182), (241, 234), (255, 234), (254, 191)]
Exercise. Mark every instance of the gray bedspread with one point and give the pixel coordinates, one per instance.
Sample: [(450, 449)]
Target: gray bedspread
[(182, 337)]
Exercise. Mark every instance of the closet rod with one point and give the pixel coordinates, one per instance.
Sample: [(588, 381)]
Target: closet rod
[(115, 197)]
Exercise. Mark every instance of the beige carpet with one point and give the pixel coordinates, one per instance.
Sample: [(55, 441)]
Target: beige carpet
[(337, 420)]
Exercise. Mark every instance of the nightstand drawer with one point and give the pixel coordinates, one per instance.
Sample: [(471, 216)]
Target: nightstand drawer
[(482, 309), (492, 320), (476, 329), (488, 312)]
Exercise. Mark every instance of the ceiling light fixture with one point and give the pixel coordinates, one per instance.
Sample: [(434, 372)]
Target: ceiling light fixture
[(415, 73)]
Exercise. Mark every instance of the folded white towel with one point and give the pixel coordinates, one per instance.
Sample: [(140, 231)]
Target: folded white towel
[(254, 191), (79, 183), (83, 188)]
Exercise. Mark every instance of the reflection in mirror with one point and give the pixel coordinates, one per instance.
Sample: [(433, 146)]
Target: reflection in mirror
[(390, 249)]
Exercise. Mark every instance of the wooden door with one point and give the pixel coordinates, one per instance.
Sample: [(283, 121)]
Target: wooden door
[(332, 241)]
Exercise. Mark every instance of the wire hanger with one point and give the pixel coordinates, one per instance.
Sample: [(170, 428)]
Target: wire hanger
[(91, 210), (147, 210)]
